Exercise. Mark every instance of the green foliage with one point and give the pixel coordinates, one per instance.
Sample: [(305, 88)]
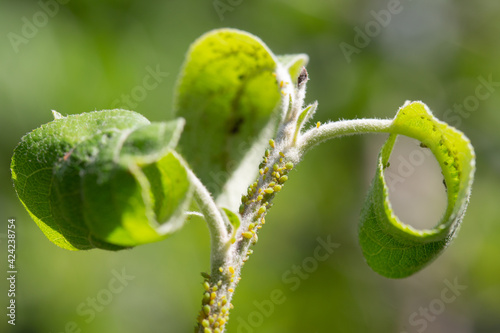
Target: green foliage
[(229, 93), (104, 179), (232, 219), (391, 247), (112, 179)]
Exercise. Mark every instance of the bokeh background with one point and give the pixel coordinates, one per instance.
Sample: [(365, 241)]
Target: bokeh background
[(85, 55)]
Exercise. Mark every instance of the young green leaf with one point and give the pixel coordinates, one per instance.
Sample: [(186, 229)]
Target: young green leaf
[(304, 117), (105, 179), (227, 92), (395, 249), (231, 219), (293, 63)]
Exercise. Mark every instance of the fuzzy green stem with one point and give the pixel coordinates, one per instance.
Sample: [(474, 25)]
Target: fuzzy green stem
[(216, 225), (225, 272), (340, 128), (229, 256)]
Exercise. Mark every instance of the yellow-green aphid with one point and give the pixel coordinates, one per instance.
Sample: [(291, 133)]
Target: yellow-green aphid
[(277, 188), (271, 143), (260, 197), (244, 199), (289, 165), (275, 167), (206, 298), (269, 190), (251, 226), (283, 179), (206, 286), (261, 210), (205, 275), (277, 175), (247, 234), (206, 309), (261, 171), (318, 124), (266, 169), (242, 208), (255, 239), (207, 330), (281, 154), (271, 184), (215, 288), (267, 153), (205, 323)]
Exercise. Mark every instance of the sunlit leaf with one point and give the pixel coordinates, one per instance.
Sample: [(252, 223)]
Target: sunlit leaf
[(391, 247), (105, 179), (227, 92)]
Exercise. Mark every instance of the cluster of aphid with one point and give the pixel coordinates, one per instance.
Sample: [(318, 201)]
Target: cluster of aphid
[(273, 178), (214, 321), (215, 308)]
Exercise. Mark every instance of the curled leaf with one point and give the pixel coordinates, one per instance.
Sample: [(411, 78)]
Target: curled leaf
[(391, 247), (104, 179)]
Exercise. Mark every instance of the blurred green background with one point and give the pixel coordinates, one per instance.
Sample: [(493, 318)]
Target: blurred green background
[(84, 56)]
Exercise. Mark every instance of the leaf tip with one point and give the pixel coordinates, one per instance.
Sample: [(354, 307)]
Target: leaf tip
[(57, 115)]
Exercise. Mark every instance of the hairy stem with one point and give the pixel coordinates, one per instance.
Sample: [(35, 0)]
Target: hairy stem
[(339, 128), (218, 232), (228, 257), (225, 274)]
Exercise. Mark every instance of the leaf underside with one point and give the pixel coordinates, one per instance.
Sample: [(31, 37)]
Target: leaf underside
[(229, 93)]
